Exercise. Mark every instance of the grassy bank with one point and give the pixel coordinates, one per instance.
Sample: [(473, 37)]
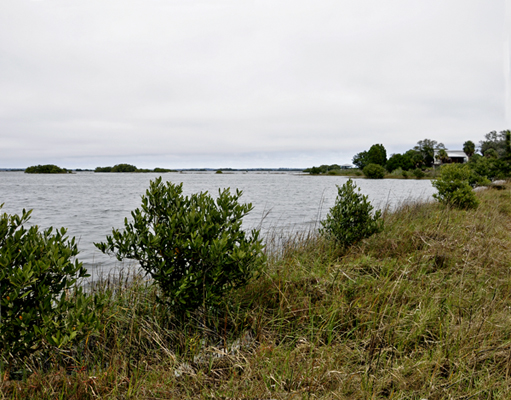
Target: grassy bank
[(421, 310)]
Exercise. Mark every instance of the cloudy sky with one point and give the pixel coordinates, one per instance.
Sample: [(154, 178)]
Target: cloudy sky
[(246, 83)]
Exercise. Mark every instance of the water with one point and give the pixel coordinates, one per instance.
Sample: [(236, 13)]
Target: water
[(90, 204)]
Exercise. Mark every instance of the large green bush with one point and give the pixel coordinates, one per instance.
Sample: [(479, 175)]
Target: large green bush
[(351, 219), (455, 186), (374, 171), (41, 303), (193, 247)]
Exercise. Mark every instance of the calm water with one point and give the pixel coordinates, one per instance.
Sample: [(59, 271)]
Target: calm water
[(89, 204)]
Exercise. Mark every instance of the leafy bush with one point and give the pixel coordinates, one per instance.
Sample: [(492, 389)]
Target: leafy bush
[(350, 219), (41, 304), (419, 173), (46, 169), (454, 187), (193, 247), (374, 171)]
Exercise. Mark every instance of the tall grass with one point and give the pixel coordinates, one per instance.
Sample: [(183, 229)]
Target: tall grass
[(421, 310)]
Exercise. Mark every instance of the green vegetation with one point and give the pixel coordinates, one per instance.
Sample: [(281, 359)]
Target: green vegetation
[(374, 171), (193, 247), (46, 169), (493, 162), (455, 186), (376, 155), (419, 310), (469, 148), (130, 168), (42, 308), (323, 169), (350, 219), (418, 173)]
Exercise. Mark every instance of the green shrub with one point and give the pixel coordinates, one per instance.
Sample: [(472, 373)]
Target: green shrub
[(374, 171), (193, 247), (41, 304), (350, 219), (454, 187), (419, 173)]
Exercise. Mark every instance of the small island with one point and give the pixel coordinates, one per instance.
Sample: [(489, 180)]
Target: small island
[(46, 169), (130, 168)]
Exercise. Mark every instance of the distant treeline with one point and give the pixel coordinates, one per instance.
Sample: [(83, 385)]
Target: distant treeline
[(130, 168), (490, 159), (46, 169)]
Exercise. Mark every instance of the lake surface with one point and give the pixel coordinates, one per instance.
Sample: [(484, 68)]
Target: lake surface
[(90, 204)]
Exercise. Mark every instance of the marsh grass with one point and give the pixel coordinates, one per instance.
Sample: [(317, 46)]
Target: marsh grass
[(421, 310)]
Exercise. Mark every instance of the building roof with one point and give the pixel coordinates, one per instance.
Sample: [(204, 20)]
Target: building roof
[(456, 153), (452, 154)]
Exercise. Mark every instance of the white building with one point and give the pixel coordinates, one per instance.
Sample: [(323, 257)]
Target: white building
[(455, 156)]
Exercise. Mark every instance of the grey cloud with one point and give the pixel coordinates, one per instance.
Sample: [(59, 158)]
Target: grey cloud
[(244, 82)]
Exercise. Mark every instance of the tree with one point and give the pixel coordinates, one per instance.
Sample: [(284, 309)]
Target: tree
[(413, 159), (507, 156), (193, 247), (361, 159), (394, 162), (377, 155), (495, 141), (442, 156), (469, 148), (427, 148), (491, 153)]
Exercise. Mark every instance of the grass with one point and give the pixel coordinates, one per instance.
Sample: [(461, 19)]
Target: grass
[(419, 311)]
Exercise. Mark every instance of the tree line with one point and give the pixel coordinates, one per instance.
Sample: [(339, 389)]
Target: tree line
[(490, 158)]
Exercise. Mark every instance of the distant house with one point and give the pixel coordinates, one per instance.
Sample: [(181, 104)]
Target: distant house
[(455, 156), (346, 166)]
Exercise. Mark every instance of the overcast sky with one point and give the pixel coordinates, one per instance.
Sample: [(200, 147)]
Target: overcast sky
[(238, 83)]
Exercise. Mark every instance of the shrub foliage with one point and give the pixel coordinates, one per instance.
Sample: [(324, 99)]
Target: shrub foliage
[(374, 171), (350, 219), (454, 186), (193, 247), (41, 305)]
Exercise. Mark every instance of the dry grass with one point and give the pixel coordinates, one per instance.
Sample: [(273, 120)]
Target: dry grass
[(420, 311)]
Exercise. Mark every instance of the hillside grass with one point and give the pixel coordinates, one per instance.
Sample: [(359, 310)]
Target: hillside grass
[(419, 311)]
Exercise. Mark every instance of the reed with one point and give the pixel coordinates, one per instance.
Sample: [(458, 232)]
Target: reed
[(420, 310)]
